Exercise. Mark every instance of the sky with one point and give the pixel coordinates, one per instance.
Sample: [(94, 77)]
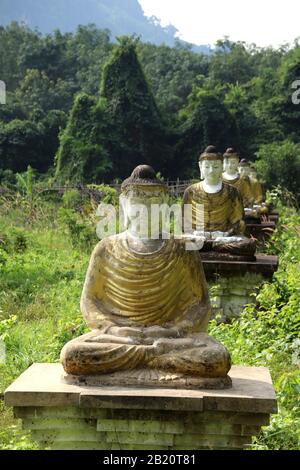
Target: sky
[(263, 22)]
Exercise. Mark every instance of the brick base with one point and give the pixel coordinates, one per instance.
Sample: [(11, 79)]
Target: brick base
[(62, 416), (229, 295), (75, 428)]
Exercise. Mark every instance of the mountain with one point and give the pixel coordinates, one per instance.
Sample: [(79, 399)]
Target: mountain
[(121, 17)]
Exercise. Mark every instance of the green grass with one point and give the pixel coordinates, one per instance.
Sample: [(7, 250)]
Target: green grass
[(41, 277)]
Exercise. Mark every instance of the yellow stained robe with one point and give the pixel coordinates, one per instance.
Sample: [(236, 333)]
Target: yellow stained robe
[(243, 184), (223, 211)]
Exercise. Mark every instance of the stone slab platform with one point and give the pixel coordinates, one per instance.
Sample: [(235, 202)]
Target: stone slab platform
[(265, 265), (63, 416), (261, 230), (42, 385)]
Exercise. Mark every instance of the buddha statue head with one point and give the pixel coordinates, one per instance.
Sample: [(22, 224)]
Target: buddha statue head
[(244, 167), (139, 194), (231, 163), (211, 166)]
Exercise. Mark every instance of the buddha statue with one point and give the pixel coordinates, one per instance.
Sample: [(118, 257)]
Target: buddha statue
[(258, 190), (232, 176), (146, 302), (258, 206), (222, 211)]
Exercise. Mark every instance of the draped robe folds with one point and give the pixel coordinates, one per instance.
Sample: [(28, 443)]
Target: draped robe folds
[(244, 186), (163, 296), (257, 191)]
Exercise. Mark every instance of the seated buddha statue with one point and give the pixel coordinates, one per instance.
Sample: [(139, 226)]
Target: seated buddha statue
[(257, 207), (146, 302), (220, 206), (258, 192), (232, 176)]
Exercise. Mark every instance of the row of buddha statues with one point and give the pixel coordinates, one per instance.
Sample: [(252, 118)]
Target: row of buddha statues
[(146, 300), (226, 194)]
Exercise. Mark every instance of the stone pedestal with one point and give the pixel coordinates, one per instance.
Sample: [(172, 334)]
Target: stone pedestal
[(261, 231), (63, 416), (232, 284)]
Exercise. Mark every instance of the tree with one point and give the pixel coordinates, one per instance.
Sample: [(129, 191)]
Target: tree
[(81, 155), (207, 121), (288, 111), (136, 131), (38, 94), (123, 130), (278, 163), (20, 145)]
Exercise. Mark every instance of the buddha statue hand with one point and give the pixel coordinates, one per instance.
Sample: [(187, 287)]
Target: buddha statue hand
[(251, 212), (218, 234), (210, 235), (136, 335), (167, 345), (224, 240)]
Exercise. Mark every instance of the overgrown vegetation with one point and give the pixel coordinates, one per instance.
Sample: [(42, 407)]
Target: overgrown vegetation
[(267, 334), (155, 104), (42, 268)]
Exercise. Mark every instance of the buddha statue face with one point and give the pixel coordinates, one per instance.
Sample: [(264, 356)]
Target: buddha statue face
[(139, 206), (211, 171), (231, 165)]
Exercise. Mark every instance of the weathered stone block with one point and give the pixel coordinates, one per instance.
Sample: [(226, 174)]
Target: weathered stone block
[(212, 441), (216, 302), (56, 423), (67, 435), (230, 292), (140, 426), (140, 438), (217, 428), (176, 419)]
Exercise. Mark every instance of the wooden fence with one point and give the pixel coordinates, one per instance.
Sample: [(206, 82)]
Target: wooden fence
[(176, 188)]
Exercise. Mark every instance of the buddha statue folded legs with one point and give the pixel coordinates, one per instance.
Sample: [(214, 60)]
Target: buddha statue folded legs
[(147, 304), (98, 353)]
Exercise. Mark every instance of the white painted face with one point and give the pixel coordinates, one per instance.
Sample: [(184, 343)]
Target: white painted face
[(244, 170), (211, 171), (231, 165), (137, 209)]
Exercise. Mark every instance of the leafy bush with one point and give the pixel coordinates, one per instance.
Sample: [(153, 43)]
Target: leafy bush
[(82, 232), (267, 334), (109, 195), (278, 163)]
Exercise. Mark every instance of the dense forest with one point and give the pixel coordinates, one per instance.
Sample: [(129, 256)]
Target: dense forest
[(82, 108)]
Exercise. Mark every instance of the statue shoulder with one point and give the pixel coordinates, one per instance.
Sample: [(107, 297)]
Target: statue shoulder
[(106, 244), (194, 186), (246, 180), (230, 188), (192, 189), (232, 191)]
